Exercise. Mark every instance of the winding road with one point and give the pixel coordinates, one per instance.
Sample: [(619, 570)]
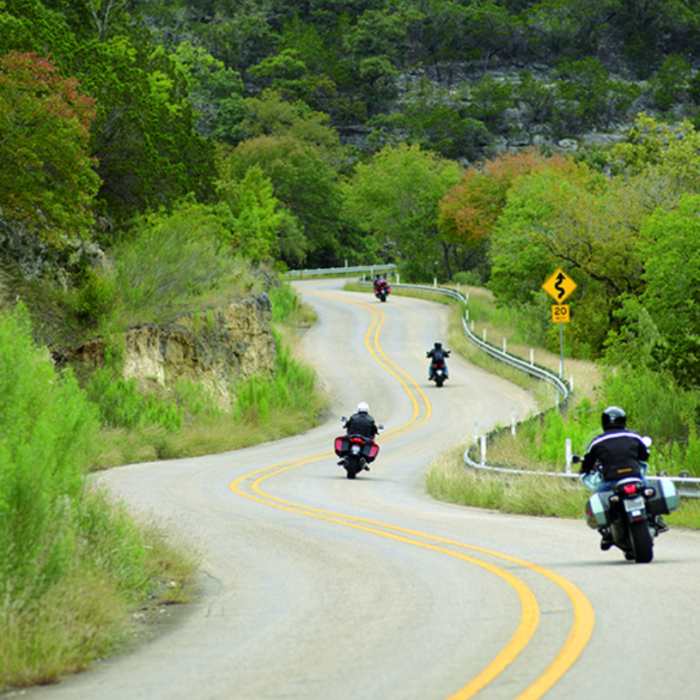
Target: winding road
[(323, 588)]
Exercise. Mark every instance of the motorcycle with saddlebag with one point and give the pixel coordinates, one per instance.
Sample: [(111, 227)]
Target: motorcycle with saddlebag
[(356, 452), (628, 514)]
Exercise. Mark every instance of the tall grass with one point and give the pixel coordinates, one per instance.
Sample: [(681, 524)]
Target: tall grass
[(448, 480), (71, 563), (169, 262), (290, 389)]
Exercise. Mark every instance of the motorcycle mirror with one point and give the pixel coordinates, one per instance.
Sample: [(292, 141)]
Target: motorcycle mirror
[(575, 459), (381, 426), (343, 419), (647, 441)]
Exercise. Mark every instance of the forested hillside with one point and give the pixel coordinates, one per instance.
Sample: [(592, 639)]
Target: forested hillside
[(457, 139)]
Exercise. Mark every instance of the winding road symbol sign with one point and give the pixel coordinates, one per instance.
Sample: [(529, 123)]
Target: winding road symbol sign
[(559, 286)]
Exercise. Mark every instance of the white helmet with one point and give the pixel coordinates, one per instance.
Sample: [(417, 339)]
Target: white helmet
[(363, 407)]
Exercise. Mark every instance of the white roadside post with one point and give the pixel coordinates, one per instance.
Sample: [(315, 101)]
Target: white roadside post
[(568, 455)]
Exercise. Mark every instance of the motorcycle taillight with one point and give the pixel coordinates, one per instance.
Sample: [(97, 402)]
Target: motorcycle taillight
[(630, 489)]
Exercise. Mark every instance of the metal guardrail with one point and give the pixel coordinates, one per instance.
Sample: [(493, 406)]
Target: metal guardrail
[(339, 270)]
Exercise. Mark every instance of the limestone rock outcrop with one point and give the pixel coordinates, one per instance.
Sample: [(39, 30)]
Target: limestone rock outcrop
[(216, 347)]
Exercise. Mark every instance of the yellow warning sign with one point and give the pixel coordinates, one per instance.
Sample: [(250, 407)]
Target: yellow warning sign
[(559, 286), (561, 313)]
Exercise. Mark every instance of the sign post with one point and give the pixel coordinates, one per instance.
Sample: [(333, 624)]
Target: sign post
[(559, 286)]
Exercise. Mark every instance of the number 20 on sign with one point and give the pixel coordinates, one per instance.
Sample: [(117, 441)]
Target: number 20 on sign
[(560, 313)]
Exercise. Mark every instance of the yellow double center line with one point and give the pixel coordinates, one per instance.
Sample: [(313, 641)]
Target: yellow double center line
[(584, 617)]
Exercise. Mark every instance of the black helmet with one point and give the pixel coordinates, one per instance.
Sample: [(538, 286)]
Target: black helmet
[(438, 346), (614, 418)]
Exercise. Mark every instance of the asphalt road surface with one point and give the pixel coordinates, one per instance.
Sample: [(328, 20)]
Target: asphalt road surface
[(324, 588)]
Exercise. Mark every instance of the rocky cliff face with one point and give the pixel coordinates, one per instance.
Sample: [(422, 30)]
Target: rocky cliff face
[(216, 348)]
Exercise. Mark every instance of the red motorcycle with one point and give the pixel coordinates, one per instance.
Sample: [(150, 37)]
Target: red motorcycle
[(355, 452), (381, 290)]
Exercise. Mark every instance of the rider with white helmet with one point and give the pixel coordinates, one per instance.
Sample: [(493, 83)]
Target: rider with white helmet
[(361, 422)]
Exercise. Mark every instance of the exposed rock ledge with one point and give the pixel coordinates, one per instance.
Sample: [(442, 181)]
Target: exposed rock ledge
[(217, 348)]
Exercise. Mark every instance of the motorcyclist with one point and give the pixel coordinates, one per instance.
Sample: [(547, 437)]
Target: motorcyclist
[(380, 283), (437, 354), (617, 453), (361, 423)]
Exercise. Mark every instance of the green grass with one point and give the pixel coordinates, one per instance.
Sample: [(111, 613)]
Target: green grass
[(447, 479), (72, 564)]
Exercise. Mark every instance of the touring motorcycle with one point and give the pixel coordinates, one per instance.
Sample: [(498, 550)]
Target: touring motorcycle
[(356, 452), (628, 515), (382, 290)]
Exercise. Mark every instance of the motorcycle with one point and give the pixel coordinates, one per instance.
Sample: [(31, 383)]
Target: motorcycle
[(356, 452), (438, 370), (628, 514), (382, 290)]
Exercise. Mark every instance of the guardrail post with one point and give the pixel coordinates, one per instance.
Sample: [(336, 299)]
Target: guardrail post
[(504, 346), (571, 382), (472, 325), (483, 449), (484, 335), (568, 455), (512, 421), (532, 357), (434, 281), (466, 315)]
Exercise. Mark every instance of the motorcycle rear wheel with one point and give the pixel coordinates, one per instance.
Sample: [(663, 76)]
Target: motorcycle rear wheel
[(642, 542), (353, 467)]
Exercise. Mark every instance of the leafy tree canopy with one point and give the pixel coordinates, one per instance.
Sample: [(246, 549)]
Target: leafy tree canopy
[(469, 210), (396, 197), (671, 250), (47, 178), (303, 180)]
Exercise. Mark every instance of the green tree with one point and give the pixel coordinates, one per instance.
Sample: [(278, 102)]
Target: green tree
[(656, 146), (272, 115), (429, 120), (303, 180), (256, 218), (588, 98), (395, 197), (215, 92), (671, 250), (567, 216), (143, 135), (47, 179)]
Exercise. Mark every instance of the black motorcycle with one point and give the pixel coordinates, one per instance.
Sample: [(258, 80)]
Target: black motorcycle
[(356, 452), (438, 370), (628, 515)]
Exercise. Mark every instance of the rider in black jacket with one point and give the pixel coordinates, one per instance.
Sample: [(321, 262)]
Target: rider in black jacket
[(361, 423), (437, 354), (617, 452)]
